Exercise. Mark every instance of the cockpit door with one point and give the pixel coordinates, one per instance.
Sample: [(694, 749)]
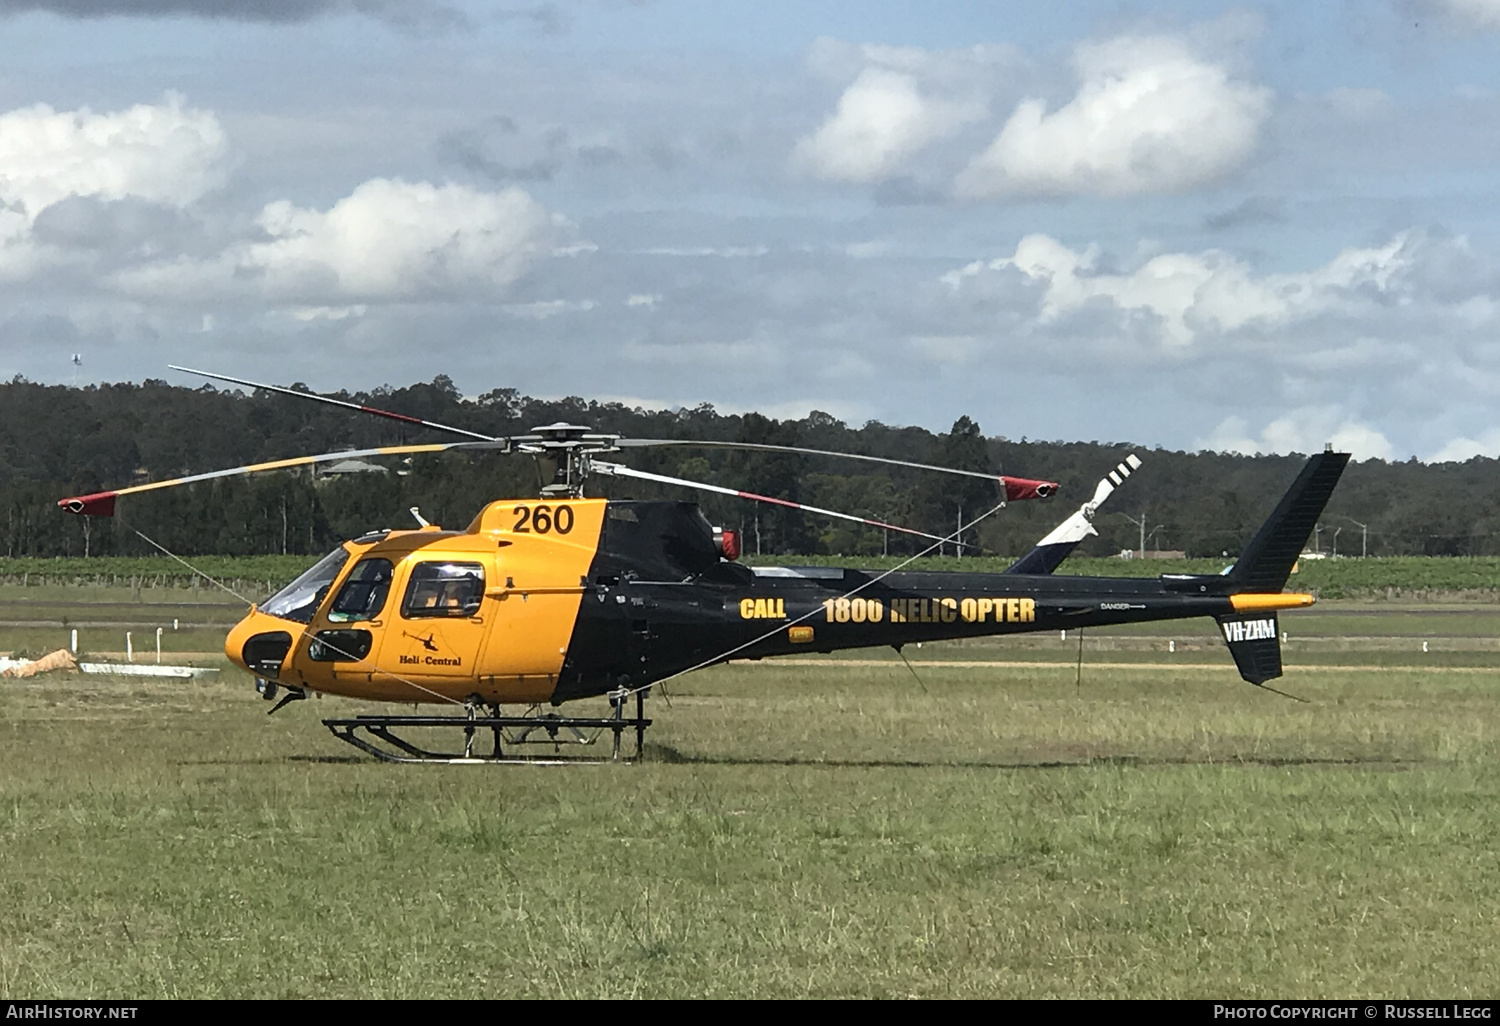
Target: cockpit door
[(348, 634), (439, 628)]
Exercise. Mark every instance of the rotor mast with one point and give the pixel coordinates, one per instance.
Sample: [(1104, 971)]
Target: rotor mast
[(568, 449)]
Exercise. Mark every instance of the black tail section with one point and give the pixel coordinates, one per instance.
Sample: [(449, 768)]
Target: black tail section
[(1254, 638), (1255, 644), (1268, 560)]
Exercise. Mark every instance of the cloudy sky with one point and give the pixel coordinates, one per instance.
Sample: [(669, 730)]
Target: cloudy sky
[(1255, 227)]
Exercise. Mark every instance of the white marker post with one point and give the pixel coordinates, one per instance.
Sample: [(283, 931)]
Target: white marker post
[(73, 643), (158, 644), (129, 649)]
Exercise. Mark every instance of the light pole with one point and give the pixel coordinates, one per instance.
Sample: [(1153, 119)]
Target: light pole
[(1141, 523), (1336, 531), (1364, 534)]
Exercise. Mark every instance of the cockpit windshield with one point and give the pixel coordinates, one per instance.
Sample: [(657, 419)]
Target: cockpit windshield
[(300, 600)]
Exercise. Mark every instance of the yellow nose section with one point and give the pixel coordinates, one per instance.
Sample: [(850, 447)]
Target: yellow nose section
[(1253, 603)]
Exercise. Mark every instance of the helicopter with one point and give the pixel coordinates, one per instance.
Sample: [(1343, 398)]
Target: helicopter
[(543, 601)]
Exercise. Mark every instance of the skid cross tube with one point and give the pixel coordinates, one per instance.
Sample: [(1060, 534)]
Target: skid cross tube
[(383, 728)]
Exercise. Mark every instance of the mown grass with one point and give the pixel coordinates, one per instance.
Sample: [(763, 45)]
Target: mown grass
[(798, 831)]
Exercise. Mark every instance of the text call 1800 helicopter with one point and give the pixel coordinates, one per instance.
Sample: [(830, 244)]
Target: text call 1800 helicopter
[(539, 602)]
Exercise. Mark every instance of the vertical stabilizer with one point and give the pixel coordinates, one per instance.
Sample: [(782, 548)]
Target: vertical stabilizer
[(1268, 560), (1255, 581)]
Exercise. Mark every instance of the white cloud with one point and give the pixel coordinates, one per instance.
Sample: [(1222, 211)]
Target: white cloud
[(883, 119), (546, 309), (647, 300), (392, 238), (870, 250), (1149, 117), (964, 67), (1193, 293), (328, 313), (388, 239), (1305, 430), (1480, 14), (727, 252), (166, 154), (1459, 450)]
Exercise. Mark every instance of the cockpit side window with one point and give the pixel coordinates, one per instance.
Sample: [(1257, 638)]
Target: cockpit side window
[(364, 592), (443, 589), (299, 600)]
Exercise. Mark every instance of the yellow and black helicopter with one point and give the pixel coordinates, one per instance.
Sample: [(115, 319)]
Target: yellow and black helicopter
[(538, 602)]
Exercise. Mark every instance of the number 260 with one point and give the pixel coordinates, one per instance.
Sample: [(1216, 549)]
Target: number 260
[(543, 519)]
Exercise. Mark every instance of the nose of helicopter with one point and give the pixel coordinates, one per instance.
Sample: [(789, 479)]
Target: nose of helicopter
[(259, 644)]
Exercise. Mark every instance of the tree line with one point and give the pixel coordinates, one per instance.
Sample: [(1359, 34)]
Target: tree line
[(57, 440)]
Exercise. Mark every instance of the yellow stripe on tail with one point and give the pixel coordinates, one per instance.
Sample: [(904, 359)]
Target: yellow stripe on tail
[(1256, 603)]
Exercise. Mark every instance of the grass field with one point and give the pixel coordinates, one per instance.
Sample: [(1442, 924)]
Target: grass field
[(993, 827)]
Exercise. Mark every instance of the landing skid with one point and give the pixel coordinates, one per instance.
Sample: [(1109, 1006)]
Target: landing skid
[(379, 737)]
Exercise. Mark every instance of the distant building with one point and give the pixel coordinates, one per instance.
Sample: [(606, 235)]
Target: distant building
[(1152, 554), (343, 468)]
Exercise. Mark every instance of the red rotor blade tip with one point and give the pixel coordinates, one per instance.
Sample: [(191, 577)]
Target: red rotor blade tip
[(100, 504), (1018, 488)]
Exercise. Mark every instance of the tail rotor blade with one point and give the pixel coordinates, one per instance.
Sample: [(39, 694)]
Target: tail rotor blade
[(1066, 536)]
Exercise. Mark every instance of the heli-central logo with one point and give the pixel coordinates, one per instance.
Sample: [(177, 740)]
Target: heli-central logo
[(1249, 630), (411, 660)]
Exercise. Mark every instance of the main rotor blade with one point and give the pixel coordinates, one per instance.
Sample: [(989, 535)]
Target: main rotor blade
[(1016, 488), (339, 402), (102, 504), (618, 470)]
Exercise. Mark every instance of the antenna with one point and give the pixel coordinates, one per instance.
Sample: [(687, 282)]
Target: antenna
[(77, 363)]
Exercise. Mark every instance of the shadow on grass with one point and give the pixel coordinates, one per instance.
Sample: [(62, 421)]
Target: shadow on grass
[(336, 760), (667, 754), (277, 760)]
